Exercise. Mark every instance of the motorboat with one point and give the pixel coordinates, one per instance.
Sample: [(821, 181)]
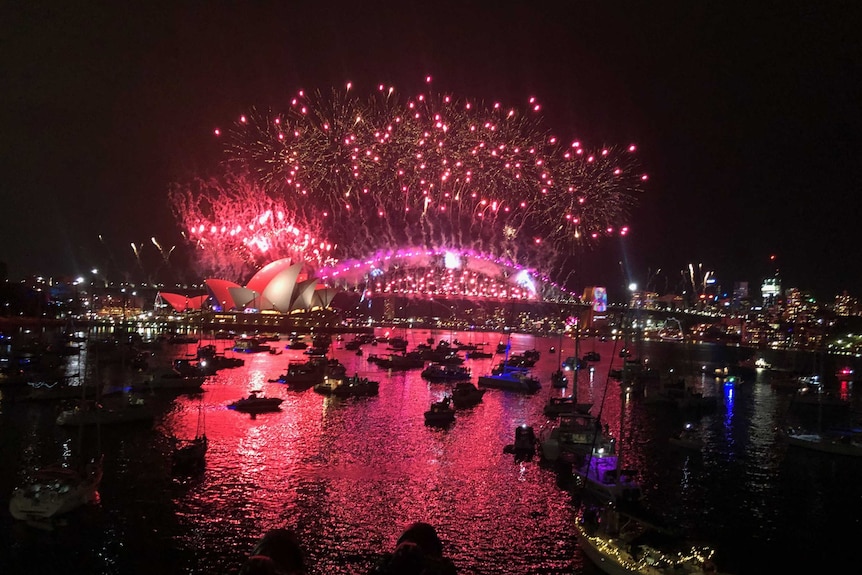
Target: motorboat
[(565, 404), (524, 446), (304, 374), (55, 490), (353, 386), (478, 354), (559, 380), (573, 437), (91, 412), (678, 393), (445, 372), (406, 360), (256, 402), (441, 412), (602, 476), (511, 379), (687, 439), (250, 345), (466, 394), (592, 356), (837, 441), (170, 379)]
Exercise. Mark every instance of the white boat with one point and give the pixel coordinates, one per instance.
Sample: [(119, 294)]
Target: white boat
[(56, 490), (621, 542), (835, 441), (511, 379)]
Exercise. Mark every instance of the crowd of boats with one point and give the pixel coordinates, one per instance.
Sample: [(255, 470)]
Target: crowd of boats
[(615, 526)]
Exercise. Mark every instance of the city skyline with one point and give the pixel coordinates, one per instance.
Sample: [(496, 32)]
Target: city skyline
[(746, 121)]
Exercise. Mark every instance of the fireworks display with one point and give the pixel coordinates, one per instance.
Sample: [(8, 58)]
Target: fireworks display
[(342, 176)]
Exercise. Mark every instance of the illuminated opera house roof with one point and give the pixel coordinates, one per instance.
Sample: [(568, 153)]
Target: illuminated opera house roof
[(281, 286)]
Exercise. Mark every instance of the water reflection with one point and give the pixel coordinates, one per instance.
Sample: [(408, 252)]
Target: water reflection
[(350, 474)]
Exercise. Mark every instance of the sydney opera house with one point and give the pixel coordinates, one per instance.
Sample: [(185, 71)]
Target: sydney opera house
[(282, 287)]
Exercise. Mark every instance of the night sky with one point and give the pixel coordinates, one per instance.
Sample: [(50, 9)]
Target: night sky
[(748, 117)]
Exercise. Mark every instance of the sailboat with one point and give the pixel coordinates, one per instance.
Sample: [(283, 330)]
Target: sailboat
[(191, 453), (619, 533), (60, 487), (55, 490), (558, 378), (834, 438)]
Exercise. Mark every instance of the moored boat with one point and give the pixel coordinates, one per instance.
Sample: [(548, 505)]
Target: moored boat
[(445, 372), (440, 413), (56, 490), (466, 394), (256, 402), (511, 379), (353, 386), (836, 441)]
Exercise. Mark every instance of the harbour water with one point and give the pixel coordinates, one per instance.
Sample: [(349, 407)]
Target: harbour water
[(349, 475)]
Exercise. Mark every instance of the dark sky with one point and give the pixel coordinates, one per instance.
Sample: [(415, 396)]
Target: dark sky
[(748, 115)]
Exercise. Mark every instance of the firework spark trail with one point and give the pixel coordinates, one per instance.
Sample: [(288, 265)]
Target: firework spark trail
[(237, 227), (430, 170)]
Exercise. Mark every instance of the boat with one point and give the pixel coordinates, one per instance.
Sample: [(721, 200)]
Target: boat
[(466, 394), (56, 490), (558, 379), (296, 343), (133, 409), (190, 454), (628, 540), (565, 404), (524, 446), (672, 331), (478, 354), (250, 345), (687, 439), (406, 360), (445, 372), (573, 437), (170, 379), (511, 379), (211, 361), (602, 478), (342, 387), (303, 374), (592, 356), (441, 412), (678, 393), (256, 402), (815, 396), (837, 441), (619, 533)]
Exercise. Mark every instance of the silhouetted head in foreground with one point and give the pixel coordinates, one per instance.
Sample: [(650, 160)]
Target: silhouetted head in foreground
[(277, 553), (418, 551)]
